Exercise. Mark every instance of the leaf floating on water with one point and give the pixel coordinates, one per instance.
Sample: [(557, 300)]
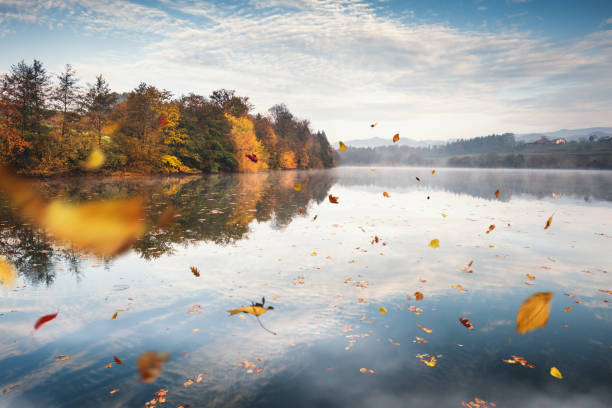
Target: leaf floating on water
[(548, 222), (301, 211), (374, 124), (150, 365), (297, 187), (496, 193), (568, 309), (554, 371), (368, 371), (252, 157), (333, 199), (519, 360), (385, 194), (443, 215), (342, 146), (195, 271), (466, 323), (433, 172), (9, 389), (435, 243), (313, 254), (418, 179), (111, 392), (491, 228), (531, 277), (396, 137), (533, 313), (44, 320), (62, 357), (315, 217), (425, 329), (117, 360), (429, 360), (115, 316), (382, 310), (459, 288), (418, 295), (95, 160), (8, 273), (478, 403)]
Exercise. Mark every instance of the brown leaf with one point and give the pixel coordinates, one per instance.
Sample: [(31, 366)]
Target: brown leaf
[(418, 295), (491, 228), (117, 360), (533, 313), (497, 193), (333, 199), (150, 365), (396, 137), (385, 194), (466, 323), (195, 271), (548, 222)]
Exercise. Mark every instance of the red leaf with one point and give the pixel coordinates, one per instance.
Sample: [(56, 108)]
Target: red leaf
[(252, 157), (43, 320)]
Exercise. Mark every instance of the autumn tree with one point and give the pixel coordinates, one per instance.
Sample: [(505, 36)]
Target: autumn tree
[(66, 97), (12, 145), (26, 88), (245, 142), (227, 100), (98, 102)]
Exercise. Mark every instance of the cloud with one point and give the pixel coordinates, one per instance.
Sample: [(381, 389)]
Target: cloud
[(340, 62)]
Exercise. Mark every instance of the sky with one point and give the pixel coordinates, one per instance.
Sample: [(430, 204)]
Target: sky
[(428, 69)]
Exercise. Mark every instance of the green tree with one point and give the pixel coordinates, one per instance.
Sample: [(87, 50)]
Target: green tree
[(98, 102)]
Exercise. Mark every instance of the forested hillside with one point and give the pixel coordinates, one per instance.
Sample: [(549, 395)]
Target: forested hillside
[(51, 124)]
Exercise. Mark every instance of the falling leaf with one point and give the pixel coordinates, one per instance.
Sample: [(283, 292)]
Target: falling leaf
[(497, 193), (435, 243), (252, 157), (491, 228), (114, 316), (114, 391), (333, 199), (548, 222), (109, 365), (150, 365), (188, 382), (315, 218), (568, 309), (62, 357), (382, 310), (459, 288), (385, 194), (418, 179), (195, 271), (95, 160), (117, 360), (301, 211), (531, 277), (396, 137), (418, 295), (44, 320), (466, 323), (374, 124), (104, 228), (342, 146), (9, 389), (313, 254), (297, 187), (533, 313), (433, 172), (443, 215), (8, 273), (554, 371)]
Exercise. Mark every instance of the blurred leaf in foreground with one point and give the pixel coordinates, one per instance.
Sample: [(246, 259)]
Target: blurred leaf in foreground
[(8, 273), (533, 313)]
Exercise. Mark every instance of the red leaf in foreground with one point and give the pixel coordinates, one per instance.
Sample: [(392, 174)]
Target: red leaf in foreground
[(252, 157), (43, 320)]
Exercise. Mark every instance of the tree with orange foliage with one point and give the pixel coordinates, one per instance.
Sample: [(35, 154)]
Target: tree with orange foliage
[(11, 142)]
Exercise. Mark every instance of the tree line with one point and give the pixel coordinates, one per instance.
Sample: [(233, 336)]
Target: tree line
[(49, 124)]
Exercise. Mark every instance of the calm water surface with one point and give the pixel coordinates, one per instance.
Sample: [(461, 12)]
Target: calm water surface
[(326, 280)]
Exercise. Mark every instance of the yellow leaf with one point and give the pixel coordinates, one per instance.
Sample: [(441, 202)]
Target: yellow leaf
[(254, 310), (313, 254), (297, 187), (386, 194), (433, 172), (382, 310), (554, 371), (8, 274), (533, 313), (115, 316), (443, 215), (531, 277), (95, 160), (548, 222), (435, 243), (104, 228), (342, 146)]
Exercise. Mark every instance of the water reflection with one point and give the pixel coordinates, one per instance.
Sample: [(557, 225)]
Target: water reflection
[(326, 281), (217, 208)]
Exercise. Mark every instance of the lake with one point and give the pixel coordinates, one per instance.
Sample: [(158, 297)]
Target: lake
[(349, 328)]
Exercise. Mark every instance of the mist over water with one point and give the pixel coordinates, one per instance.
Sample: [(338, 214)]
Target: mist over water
[(326, 279)]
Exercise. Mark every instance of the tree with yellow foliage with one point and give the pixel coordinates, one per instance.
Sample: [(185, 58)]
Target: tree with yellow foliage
[(245, 142)]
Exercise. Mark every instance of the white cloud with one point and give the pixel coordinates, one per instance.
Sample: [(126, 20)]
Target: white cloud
[(342, 64)]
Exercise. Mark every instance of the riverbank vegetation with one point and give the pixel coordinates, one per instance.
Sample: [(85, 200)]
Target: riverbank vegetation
[(50, 124), (491, 151)]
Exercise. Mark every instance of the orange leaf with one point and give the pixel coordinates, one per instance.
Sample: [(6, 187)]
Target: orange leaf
[(333, 199), (418, 295), (395, 137), (150, 365), (117, 360), (497, 193), (533, 313)]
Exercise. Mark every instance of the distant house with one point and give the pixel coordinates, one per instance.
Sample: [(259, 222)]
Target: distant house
[(560, 141)]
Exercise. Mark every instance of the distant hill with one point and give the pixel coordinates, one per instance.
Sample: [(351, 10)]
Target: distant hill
[(379, 141), (567, 134)]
